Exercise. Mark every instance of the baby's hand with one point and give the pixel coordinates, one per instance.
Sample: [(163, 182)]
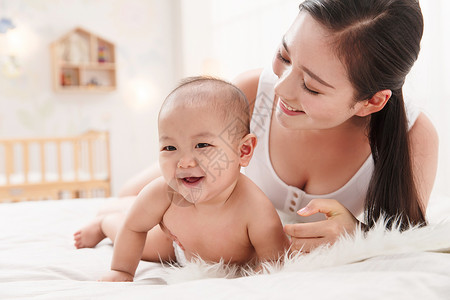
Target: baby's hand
[(117, 276)]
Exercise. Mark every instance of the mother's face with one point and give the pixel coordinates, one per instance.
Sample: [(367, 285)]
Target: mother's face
[(313, 90)]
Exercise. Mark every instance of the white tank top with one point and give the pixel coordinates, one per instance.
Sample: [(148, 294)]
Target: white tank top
[(289, 199)]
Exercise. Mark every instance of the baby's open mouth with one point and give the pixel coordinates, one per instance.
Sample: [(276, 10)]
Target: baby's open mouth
[(191, 180)]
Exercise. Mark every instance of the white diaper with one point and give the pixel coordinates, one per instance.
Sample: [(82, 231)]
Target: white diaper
[(179, 254)]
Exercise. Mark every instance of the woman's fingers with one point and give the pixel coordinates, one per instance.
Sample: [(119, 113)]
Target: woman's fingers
[(340, 217), (308, 236), (306, 230), (305, 237), (326, 230), (306, 245), (328, 207)]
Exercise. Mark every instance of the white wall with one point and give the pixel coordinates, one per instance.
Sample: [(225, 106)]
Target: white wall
[(147, 68), (227, 37)]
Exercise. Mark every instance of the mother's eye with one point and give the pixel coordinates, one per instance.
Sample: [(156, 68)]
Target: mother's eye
[(280, 57), (309, 90)]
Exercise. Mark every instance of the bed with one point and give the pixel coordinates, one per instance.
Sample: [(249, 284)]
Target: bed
[(38, 261), (55, 167)]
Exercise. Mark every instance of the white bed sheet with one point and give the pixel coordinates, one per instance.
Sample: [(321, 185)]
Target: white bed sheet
[(36, 177), (38, 261)]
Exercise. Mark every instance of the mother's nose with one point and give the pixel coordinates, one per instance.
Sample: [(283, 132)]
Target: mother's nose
[(287, 85)]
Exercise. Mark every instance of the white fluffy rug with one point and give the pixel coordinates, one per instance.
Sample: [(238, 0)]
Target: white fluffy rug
[(347, 250)]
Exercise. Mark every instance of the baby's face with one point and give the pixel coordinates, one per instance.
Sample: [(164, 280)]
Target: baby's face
[(198, 155)]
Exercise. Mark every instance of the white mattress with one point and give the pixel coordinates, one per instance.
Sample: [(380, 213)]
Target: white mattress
[(38, 261)]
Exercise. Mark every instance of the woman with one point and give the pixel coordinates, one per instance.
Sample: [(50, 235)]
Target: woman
[(334, 136), (338, 103)]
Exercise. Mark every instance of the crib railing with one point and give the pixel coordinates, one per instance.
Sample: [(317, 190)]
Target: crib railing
[(55, 168)]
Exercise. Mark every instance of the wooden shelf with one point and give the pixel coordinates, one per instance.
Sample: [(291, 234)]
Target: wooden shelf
[(83, 62)]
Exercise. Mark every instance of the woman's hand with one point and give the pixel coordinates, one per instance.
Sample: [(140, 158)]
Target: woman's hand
[(117, 276), (307, 236)]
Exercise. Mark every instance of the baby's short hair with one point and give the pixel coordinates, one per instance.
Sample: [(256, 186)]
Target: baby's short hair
[(224, 97)]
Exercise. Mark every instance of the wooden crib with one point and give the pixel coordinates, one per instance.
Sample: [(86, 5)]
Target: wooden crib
[(55, 168)]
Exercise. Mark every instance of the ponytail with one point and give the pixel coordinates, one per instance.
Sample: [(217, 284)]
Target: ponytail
[(392, 190)]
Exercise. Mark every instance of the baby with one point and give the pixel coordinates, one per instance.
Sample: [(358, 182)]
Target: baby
[(202, 201)]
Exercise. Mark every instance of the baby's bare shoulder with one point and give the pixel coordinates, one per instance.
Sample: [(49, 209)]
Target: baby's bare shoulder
[(251, 192), (252, 198), (156, 191)]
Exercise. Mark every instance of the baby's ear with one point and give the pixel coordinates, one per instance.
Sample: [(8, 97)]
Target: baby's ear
[(246, 148)]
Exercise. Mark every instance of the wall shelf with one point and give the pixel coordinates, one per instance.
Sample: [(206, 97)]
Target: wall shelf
[(83, 62)]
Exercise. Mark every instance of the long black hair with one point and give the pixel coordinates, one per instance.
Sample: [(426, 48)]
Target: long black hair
[(378, 41)]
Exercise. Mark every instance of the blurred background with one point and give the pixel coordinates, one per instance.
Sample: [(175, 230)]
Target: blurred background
[(158, 42)]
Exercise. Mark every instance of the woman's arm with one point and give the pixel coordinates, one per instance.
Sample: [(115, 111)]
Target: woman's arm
[(424, 153), (135, 184), (248, 83)]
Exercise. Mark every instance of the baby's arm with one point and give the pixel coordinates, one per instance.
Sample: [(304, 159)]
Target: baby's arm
[(266, 231), (146, 212)]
